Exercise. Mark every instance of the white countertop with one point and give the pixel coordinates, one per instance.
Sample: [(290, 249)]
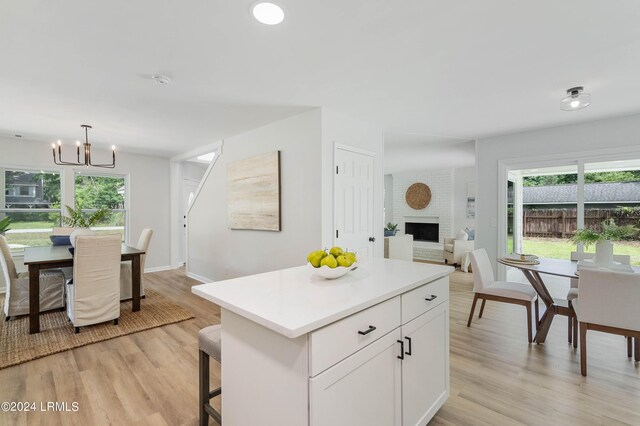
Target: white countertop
[(295, 301)]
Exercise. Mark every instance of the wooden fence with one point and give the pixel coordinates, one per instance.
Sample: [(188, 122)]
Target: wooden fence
[(562, 223)]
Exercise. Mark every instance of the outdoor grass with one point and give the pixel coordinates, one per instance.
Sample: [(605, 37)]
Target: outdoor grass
[(556, 248)]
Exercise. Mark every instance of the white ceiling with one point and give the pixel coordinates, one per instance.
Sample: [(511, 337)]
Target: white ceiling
[(407, 152), (462, 68)]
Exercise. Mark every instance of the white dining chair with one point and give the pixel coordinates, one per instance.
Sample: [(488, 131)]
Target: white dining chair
[(623, 259), (608, 302), (487, 288), (125, 267), (16, 296), (94, 294)]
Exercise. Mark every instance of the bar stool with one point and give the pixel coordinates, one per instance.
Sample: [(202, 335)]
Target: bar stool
[(210, 346)]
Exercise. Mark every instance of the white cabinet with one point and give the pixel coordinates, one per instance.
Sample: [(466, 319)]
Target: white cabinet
[(402, 378), (364, 389), (425, 378)]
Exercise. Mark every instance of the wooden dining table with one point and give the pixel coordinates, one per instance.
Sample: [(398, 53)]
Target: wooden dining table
[(559, 268), (50, 257)]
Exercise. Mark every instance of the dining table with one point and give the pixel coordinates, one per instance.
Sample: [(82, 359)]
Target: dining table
[(51, 257), (554, 306)]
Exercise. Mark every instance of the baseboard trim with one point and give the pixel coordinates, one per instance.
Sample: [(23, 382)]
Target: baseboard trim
[(199, 277), (158, 269)]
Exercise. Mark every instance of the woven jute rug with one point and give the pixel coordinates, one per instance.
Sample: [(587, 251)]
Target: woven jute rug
[(57, 334)]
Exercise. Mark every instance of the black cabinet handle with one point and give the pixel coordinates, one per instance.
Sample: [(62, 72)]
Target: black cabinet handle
[(364, 333), (429, 299), (401, 356), (372, 239), (409, 341)]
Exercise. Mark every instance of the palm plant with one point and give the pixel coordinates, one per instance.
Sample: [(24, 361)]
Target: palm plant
[(4, 225), (76, 219)]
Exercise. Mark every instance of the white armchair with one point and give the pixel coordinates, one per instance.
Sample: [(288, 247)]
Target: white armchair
[(607, 302), (16, 299), (94, 295), (455, 249), (125, 267)]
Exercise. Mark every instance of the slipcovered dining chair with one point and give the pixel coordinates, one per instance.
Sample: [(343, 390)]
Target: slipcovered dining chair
[(623, 259), (125, 267), (608, 302), (16, 299), (487, 288), (94, 294)]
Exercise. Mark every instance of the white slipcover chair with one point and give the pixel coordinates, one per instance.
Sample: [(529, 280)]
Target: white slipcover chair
[(94, 295), (608, 302), (487, 288), (125, 267), (16, 299)]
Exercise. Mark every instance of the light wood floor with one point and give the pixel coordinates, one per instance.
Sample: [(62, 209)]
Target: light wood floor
[(496, 376)]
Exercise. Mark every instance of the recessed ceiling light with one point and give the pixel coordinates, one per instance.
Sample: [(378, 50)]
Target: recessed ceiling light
[(577, 99), (161, 80), (268, 13)]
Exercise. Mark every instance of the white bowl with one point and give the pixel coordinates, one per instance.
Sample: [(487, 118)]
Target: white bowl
[(332, 273)]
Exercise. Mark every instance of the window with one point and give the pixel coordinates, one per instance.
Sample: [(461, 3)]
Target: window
[(31, 198), (94, 192)]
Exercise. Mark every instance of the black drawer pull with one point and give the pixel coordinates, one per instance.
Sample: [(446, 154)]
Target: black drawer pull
[(364, 333), (409, 341), (401, 356), (429, 299)]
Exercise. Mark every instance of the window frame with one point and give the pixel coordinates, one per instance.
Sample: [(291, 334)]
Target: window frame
[(31, 169), (125, 176)]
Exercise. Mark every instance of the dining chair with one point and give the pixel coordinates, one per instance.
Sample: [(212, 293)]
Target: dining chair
[(624, 259), (94, 295), (16, 296), (608, 302), (125, 267), (487, 288)]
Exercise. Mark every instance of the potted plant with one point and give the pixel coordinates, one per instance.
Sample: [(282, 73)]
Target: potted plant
[(83, 223), (603, 239), (4, 225), (391, 229)]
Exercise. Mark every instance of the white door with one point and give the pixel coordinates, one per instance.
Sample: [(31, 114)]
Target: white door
[(189, 188), (363, 389), (354, 201), (425, 369)]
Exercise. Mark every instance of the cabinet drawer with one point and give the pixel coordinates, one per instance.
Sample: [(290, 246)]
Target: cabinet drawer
[(337, 341), (420, 300)]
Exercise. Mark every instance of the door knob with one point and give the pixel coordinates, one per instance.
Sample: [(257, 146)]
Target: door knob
[(372, 239)]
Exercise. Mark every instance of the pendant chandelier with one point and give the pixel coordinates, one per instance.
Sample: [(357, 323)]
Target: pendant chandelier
[(87, 153)]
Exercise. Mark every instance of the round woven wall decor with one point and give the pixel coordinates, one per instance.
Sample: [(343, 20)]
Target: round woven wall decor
[(418, 196)]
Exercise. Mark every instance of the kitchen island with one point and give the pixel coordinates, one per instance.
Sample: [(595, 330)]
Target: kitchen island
[(369, 348)]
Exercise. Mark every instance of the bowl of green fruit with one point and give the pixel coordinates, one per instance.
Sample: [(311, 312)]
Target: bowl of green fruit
[(333, 264)]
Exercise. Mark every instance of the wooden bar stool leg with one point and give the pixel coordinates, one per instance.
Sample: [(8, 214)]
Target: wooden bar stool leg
[(482, 308), (583, 348), (575, 332), (570, 323), (637, 348), (529, 327), (629, 346), (204, 388), (473, 308)]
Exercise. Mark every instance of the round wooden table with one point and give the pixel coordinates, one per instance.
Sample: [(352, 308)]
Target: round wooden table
[(557, 267)]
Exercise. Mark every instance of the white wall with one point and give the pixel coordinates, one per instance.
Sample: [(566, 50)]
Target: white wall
[(461, 177), (148, 188), (347, 130), (217, 252), (388, 198), (440, 183), (193, 171), (567, 141)]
